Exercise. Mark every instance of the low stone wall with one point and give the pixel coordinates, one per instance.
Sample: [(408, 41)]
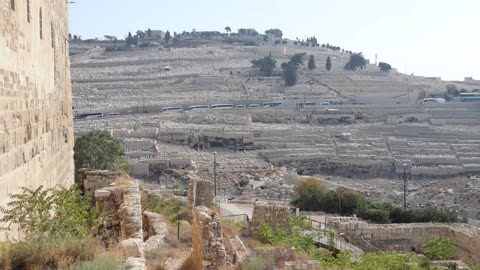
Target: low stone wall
[(307, 265), (94, 180), (284, 253), (154, 230), (412, 237), (122, 205), (275, 216), (208, 249)]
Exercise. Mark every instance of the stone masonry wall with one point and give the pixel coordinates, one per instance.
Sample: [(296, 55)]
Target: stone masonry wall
[(408, 237), (277, 217), (122, 205), (200, 193), (208, 248), (36, 127)]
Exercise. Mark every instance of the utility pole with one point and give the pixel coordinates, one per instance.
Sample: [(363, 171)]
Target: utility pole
[(405, 177), (215, 172)]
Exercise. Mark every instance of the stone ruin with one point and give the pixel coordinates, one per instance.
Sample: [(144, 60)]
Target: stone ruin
[(412, 237), (200, 193), (208, 249), (119, 201), (275, 216)]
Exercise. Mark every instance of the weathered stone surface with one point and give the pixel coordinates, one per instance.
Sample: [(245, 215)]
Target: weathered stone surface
[(275, 216), (102, 193), (208, 248), (36, 127), (305, 265), (133, 247), (408, 237)]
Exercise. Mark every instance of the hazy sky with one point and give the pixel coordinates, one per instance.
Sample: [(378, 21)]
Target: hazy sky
[(427, 37)]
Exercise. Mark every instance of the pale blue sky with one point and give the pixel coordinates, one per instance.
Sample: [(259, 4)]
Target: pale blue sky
[(409, 34)]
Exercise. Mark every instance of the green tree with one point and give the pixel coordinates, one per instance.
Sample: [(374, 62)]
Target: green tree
[(308, 194), (149, 32), (275, 32), (100, 151), (311, 63), (129, 39), (328, 65), (439, 248), (452, 90), (297, 59), (290, 73), (228, 29), (384, 67), (167, 38), (356, 61), (266, 65), (349, 200)]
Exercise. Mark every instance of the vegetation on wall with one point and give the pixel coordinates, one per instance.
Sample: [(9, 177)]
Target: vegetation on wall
[(53, 212), (56, 223)]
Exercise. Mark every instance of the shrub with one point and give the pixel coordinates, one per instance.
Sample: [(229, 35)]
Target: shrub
[(255, 263), (390, 261), (52, 212), (439, 248), (173, 209), (308, 198), (375, 215)]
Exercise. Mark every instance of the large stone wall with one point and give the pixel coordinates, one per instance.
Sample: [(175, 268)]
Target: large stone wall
[(36, 132), (275, 216), (412, 237)]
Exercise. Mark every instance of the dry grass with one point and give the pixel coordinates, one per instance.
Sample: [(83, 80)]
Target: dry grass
[(51, 253), (230, 229), (123, 181), (189, 264)]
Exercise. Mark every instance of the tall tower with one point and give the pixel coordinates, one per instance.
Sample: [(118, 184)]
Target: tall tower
[(376, 59), (36, 127)]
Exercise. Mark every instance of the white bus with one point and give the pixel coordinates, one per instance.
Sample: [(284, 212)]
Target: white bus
[(199, 108), (221, 106), (172, 109), (433, 100), (272, 104)]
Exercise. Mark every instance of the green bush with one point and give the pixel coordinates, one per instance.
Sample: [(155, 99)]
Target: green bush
[(390, 261), (174, 210), (51, 212), (375, 215), (439, 248)]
